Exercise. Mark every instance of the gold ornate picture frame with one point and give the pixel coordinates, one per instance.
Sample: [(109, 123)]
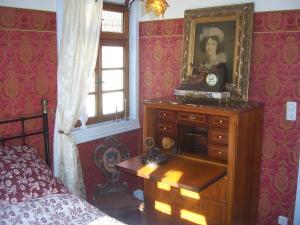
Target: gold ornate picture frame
[(233, 25)]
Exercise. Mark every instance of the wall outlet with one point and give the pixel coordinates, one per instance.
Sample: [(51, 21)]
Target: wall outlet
[(291, 111), (282, 220)]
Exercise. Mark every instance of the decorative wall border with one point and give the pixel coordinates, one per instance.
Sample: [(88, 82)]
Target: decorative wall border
[(27, 20)]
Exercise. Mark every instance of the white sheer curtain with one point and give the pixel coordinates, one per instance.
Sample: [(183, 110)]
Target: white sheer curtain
[(78, 31)]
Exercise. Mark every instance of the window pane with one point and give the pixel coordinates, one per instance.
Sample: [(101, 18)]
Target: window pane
[(92, 84), (91, 105), (112, 57), (112, 102), (112, 21), (112, 80)]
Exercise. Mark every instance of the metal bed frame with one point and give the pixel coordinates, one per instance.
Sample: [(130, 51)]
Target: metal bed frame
[(23, 135)]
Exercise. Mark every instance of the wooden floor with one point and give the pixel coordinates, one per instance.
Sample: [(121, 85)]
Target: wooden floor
[(140, 219), (132, 218), (154, 218), (148, 217)]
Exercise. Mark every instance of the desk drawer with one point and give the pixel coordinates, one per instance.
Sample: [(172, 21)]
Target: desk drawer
[(166, 128), (165, 115), (218, 136), (192, 118), (218, 152), (187, 205), (218, 121), (195, 211)]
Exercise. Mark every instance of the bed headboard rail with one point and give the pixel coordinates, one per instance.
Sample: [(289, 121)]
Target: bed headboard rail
[(23, 135)]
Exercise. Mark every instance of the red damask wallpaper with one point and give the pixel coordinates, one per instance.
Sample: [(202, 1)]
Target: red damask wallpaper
[(275, 80), (275, 71), (28, 64)]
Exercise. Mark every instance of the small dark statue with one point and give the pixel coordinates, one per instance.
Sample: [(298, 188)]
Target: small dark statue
[(154, 156)]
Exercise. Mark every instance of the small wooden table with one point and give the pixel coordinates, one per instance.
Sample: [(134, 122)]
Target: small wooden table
[(177, 172)]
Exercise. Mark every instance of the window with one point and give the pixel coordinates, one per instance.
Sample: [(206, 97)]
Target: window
[(108, 94), (100, 130)]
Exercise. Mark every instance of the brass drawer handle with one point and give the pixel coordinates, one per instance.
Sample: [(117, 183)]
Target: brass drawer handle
[(220, 153), (221, 121), (165, 114), (220, 137)]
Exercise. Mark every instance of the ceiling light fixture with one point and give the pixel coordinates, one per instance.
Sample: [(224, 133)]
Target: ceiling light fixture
[(158, 7)]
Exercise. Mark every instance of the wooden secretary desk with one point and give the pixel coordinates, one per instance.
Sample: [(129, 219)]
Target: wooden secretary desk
[(212, 176)]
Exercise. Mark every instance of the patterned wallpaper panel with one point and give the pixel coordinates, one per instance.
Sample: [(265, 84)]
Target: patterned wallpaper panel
[(274, 79), (30, 20), (28, 65), (161, 44)]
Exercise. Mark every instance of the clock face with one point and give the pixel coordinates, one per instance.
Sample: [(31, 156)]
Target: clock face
[(211, 79)]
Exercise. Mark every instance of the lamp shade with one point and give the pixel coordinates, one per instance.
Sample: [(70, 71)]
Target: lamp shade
[(158, 7)]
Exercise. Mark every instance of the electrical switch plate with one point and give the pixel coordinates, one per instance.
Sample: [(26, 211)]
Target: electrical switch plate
[(291, 111), (282, 220)]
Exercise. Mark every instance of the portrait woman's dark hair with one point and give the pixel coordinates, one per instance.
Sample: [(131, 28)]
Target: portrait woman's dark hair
[(220, 45)]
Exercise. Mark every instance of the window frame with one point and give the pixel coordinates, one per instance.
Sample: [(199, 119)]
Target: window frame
[(112, 39)]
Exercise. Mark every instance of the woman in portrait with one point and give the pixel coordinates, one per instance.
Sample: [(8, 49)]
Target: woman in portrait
[(212, 48), (211, 59)]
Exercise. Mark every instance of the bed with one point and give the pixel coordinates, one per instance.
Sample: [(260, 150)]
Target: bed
[(30, 194)]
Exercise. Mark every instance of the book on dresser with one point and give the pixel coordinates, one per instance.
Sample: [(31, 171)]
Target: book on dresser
[(212, 176)]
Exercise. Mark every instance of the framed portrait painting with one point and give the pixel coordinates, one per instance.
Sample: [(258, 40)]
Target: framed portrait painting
[(217, 50)]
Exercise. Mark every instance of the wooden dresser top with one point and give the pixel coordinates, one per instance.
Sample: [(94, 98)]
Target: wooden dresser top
[(229, 107)]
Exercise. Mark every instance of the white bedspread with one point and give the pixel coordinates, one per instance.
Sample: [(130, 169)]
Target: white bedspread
[(55, 209)]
